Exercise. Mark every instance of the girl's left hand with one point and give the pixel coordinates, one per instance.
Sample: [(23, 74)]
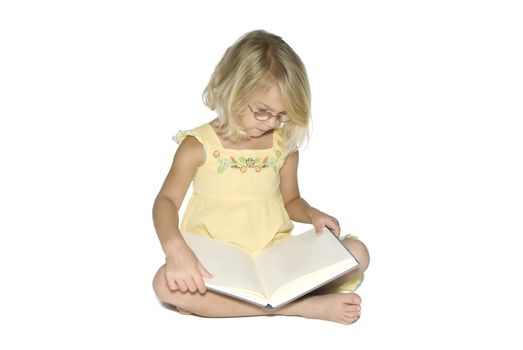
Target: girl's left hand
[(320, 220)]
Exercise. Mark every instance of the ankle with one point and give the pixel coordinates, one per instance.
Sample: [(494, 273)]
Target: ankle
[(295, 308)]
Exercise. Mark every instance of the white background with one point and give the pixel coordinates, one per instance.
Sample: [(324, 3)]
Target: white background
[(416, 148)]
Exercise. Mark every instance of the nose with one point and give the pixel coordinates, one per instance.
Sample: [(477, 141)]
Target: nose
[(273, 122)]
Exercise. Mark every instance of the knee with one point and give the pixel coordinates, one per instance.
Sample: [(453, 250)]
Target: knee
[(360, 252), (160, 285), (172, 297)]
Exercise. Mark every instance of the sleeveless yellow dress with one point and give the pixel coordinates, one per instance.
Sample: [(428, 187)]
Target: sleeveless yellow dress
[(236, 194)]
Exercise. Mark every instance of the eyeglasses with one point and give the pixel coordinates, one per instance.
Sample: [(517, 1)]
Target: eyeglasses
[(263, 115)]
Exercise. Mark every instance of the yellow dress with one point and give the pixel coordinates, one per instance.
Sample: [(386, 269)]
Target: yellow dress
[(236, 193)]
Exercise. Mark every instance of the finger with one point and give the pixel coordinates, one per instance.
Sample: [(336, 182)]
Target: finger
[(176, 286), (338, 228), (200, 284), (173, 286), (318, 229), (334, 227), (203, 271), (191, 285), (182, 285), (170, 283)]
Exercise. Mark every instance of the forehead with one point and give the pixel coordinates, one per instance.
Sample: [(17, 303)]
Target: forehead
[(271, 98)]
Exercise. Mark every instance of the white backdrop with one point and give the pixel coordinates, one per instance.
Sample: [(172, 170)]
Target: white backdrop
[(416, 148)]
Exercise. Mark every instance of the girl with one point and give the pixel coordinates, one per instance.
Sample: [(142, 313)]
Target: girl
[(243, 166)]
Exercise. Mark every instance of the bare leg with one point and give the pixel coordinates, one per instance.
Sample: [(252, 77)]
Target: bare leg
[(357, 248), (360, 252), (342, 308)]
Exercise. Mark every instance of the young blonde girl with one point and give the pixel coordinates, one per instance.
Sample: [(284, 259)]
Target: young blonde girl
[(243, 166)]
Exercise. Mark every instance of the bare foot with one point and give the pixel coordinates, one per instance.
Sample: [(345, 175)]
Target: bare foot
[(183, 311), (342, 308)]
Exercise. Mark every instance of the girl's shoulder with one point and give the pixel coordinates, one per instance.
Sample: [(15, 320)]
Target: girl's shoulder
[(193, 149), (200, 133)]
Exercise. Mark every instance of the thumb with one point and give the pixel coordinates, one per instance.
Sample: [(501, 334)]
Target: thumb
[(318, 229), (203, 271)]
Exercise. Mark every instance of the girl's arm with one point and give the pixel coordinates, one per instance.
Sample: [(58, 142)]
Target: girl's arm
[(189, 156), (297, 208), (183, 271)]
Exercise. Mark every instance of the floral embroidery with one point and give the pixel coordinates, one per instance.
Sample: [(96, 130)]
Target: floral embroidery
[(245, 163)]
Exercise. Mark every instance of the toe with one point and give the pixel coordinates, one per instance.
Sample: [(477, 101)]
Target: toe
[(183, 311), (349, 320), (352, 298), (351, 308), (353, 314)]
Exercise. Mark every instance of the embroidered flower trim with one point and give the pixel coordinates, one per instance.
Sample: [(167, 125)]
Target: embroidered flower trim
[(244, 163)]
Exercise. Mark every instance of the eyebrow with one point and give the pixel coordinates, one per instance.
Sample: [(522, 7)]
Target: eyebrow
[(270, 108)]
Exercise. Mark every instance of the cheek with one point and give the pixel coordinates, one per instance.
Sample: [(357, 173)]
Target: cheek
[(246, 121)]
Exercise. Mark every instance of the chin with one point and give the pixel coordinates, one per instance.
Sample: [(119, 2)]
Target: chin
[(256, 132)]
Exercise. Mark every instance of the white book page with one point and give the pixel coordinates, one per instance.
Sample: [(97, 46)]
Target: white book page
[(305, 284), (299, 256), (230, 266)]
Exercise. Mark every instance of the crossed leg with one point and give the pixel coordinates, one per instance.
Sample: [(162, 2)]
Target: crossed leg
[(322, 304)]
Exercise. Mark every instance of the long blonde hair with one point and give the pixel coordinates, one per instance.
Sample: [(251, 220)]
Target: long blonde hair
[(254, 63)]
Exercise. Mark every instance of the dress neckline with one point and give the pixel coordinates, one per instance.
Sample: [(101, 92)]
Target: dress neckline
[(243, 149)]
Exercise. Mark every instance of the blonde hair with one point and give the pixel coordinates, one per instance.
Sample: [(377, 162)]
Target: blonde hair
[(257, 61)]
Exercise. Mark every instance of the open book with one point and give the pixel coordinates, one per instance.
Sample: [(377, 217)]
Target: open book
[(276, 275)]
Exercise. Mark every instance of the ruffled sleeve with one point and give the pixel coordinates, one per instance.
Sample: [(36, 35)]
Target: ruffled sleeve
[(182, 134), (197, 133)]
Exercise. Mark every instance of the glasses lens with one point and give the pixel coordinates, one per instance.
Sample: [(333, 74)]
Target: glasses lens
[(262, 115), (266, 115)]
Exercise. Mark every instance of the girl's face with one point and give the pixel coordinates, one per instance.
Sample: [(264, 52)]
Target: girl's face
[(270, 101)]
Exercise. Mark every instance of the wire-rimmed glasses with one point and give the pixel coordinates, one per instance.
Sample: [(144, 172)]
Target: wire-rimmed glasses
[(263, 115)]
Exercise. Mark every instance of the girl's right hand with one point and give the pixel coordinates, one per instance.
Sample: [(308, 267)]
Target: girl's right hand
[(184, 272)]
